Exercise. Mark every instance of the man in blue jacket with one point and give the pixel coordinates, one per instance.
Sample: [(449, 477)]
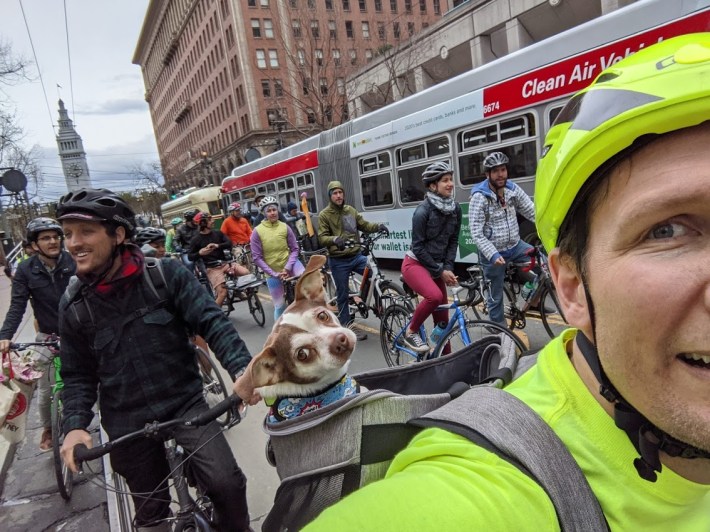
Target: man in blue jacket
[(41, 280)]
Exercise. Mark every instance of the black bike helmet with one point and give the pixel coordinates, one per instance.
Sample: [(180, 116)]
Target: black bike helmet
[(497, 158), (190, 214), (97, 205), (36, 226), (435, 171), (146, 235)]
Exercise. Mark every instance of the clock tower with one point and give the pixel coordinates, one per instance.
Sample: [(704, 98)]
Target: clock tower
[(71, 152)]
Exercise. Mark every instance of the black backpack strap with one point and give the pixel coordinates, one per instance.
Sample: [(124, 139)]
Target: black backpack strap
[(155, 276), (504, 425)]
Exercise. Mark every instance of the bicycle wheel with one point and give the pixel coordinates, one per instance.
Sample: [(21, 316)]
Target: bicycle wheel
[(392, 293), (394, 320), (477, 329), (213, 387), (255, 307), (331, 294), (551, 313), (65, 478)]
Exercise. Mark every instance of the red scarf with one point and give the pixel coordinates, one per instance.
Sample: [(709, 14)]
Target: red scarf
[(131, 268)]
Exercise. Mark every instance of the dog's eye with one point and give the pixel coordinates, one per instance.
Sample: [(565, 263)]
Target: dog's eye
[(323, 316), (302, 354)]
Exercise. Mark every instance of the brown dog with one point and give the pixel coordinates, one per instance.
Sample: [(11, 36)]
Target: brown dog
[(305, 358)]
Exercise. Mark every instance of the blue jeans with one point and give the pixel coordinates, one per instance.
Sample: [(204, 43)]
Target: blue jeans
[(496, 275), (341, 267)]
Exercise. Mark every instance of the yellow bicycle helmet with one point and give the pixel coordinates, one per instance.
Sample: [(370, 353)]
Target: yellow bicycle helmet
[(657, 90)]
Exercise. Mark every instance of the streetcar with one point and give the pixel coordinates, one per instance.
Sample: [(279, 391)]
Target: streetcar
[(506, 105), (206, 199)]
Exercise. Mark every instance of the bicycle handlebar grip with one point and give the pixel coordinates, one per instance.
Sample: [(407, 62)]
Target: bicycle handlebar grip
[(213, 413), (83, 454)]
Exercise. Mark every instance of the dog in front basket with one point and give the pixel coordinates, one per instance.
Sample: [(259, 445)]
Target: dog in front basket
[(305, 359)]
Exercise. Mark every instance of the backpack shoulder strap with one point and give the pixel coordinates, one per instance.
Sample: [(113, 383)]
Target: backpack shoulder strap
[(155, 277), (504, 425)]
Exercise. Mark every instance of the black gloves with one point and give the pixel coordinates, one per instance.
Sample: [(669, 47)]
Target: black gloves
[(339, 242), (382, 228)]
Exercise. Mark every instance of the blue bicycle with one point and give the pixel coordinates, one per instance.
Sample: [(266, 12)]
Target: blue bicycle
[(460, 331)]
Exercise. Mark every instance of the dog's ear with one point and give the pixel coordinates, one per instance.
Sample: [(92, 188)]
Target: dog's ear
[(265, 369), (310, 284)]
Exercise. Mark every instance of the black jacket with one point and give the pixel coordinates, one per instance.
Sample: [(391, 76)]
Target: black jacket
[(183, 237), (33, 283), (435, 236)]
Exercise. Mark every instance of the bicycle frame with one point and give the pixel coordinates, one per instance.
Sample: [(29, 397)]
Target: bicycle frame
[(369, 290)]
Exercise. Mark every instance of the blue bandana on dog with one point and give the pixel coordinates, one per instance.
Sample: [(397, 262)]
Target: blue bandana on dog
[(290, 407)]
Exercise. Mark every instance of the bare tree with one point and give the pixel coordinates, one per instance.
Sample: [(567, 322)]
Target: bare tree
[(13, 69), (148, 176)]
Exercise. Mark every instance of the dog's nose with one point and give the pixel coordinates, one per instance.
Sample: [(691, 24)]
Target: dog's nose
[(341, 344)]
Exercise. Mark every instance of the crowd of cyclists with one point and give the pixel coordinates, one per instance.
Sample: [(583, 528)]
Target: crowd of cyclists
[(606, 209)]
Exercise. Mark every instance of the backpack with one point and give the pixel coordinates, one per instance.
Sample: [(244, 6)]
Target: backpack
[(155, 279), (318, 466)]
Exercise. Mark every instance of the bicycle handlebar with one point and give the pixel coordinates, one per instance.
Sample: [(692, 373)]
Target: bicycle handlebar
[(83, 454), (26, 345)]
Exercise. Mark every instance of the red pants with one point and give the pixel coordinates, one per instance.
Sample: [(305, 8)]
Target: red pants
[(432, 292)]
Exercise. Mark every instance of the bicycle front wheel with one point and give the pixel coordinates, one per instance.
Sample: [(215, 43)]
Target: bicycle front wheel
[(213, 387), (256, 308), (551, 313), (391, 293), (65, 478), (394, 320), (476, 329)]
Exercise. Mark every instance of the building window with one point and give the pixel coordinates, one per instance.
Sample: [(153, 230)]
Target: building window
[(408, 6), (410, 28), (256, 27), (395, 30), (363, 6), (311, 4), (332, 30), (353, 56), (336, 57), (422, 6), (306, 86), (278, 88), (273, 59), (346, 5), (349, 29), (264, 3), (315, 29), (378, 6), (296, 27), (381, 31), (393, 6), (368, 54), (268, 28), (437, 7), (266, 88), (293, 4), (251, 3), (311, 116), (340, 82), (319, 57), (366, 30), (329, 5), (301, 56), (323, 86), (261, 59)]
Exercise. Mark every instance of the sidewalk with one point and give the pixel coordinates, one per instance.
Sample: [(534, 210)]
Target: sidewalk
[(29, 498)]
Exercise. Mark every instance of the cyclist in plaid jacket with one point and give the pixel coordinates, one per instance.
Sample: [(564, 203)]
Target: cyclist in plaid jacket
[(492, 220)]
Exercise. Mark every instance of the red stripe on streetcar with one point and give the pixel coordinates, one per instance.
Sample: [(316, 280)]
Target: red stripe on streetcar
[(573, 74), (297, 164)]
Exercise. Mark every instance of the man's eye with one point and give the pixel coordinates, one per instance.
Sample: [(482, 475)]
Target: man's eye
[(667, 230)]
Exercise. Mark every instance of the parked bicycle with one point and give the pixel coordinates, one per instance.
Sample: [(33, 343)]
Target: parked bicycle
[(459, 332), (541, 303), (193, 513), (64, 476), (242, 255)]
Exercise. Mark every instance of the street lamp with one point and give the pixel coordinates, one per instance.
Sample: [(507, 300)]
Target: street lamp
[(278, 123)]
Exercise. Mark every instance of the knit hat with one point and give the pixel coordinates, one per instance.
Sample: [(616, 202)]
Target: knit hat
[(334, 185), (290, 206)]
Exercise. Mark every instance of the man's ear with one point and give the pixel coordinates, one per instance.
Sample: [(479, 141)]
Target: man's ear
[(120, 235), (570, 290)]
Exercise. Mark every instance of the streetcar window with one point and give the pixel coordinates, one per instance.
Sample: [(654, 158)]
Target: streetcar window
[(523, 159), (410, 183), (213, 207), (413, 153), (304, 180), (271, 188), (438, 146), (368, 164), (248, 193), (377, 190), (552, 115), (384, 160), (479, 137), (517, 127)]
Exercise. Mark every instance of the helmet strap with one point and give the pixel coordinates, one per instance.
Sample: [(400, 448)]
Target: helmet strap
[(647, 438)]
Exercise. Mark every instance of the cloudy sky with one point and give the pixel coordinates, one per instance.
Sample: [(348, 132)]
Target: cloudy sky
[(107, 103)]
